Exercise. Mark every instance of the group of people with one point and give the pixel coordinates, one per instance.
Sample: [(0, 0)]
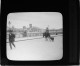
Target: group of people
[(46, 34)]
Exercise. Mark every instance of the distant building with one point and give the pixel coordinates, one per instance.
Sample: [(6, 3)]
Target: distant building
[(60, 31), (34, 31), (56, 31), (27, 32)]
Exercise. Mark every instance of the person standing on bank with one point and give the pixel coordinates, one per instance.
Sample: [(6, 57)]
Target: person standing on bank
[(11, 39)]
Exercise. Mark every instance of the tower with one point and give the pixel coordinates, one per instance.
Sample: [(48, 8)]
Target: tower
[(30, 25)]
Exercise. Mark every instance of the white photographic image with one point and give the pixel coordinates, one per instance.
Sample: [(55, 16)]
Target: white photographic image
[(34, 36)]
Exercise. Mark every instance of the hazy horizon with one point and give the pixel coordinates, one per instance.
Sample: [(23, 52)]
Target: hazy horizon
[(53, 20)]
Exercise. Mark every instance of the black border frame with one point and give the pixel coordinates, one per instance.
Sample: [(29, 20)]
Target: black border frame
[(67, 8)]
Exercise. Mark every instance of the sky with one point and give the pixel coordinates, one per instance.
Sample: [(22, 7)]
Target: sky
[(53, 20)]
